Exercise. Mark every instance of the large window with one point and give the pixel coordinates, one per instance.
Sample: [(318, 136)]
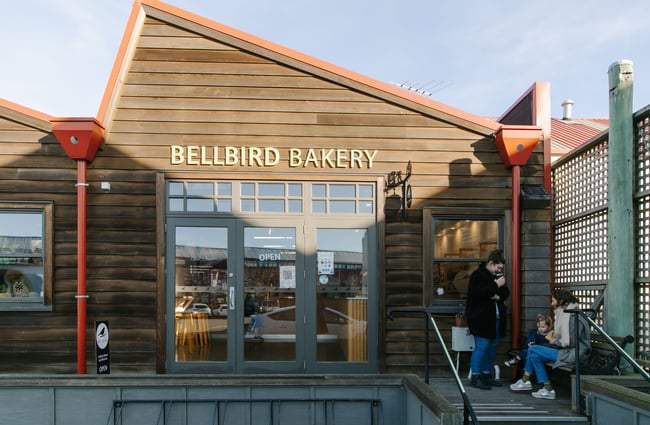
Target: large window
[(25, 249), (456, 245)]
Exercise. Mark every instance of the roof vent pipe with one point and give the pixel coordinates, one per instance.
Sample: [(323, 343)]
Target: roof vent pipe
[(567, 106)]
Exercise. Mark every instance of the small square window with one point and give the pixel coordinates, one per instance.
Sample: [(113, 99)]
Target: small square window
[(319, 190), (176, 189), (224, 189), (247, 189), (25, 246), (248, 205), (319, 206)]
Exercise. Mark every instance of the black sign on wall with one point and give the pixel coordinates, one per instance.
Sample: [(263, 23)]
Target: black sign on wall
[(102, 348)]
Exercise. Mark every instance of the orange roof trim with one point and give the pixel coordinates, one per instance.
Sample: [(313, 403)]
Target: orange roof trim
[(31, 113), (487, 125)]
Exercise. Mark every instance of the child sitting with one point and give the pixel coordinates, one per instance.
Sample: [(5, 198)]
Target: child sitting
[(535, 336)]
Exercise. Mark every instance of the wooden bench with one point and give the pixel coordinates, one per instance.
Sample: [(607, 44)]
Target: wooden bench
[(603, 359)]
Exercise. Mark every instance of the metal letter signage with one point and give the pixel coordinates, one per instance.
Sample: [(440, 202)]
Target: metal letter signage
[(252, 156)]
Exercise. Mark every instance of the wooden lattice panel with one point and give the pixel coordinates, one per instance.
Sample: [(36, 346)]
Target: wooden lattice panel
[(580, 184)]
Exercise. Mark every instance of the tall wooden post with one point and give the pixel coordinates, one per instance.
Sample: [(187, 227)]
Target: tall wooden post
[(619, 300)]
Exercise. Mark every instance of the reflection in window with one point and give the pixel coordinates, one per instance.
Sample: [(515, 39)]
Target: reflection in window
[(24, 279), (459, 246), (349, 198), (201, 301), (342, 291)]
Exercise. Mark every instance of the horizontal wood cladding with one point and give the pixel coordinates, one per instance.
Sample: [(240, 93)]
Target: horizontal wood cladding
[(121, 257), (184, 89)]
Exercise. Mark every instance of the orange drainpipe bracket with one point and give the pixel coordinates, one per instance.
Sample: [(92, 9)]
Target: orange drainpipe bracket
[(80, 138), (515, 143)]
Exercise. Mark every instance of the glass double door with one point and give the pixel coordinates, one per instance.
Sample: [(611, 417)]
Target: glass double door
[(269, 296)]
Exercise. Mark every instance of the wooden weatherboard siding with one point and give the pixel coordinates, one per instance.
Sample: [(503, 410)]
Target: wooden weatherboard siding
[(196, 88), (121, 268)]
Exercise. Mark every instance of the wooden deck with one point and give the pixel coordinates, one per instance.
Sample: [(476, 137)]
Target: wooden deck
[(501, 405)]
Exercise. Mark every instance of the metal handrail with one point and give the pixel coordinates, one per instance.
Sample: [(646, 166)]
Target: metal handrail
[(609, 340), (468, 409)]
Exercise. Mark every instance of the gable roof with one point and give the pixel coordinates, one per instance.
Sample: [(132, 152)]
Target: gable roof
[(241, 40), (25, 115), (569, 134)]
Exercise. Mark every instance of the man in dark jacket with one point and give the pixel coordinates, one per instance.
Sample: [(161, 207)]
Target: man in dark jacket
[(486, 317)]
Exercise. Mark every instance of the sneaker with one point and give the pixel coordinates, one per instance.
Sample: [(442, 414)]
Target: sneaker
[(544, 393), (512, 362), (521, 386)]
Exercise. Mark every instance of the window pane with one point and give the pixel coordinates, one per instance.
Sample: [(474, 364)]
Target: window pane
[(224, 205), (295, 206), (459, 245), (200, 189), (365, 191), (365, 207), (21, 255), (342, 207), (224, 189), (319, 190), (295, 189), (248, 205), (248, 189), (342, 285), (450, 279), (463, 238), (19, 231), (271, 205), (176, 205), (176, 189), (270, 293), (318, 206), (342, 191), (271, 189), (200, 205)]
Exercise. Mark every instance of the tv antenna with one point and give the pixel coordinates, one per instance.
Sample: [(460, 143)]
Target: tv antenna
[(428, 89)]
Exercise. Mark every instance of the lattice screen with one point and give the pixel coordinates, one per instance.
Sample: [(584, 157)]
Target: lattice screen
[(580, 226), (580, 219), (642, 211)]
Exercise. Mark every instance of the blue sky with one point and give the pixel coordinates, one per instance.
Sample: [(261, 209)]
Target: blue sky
[(476, 55)]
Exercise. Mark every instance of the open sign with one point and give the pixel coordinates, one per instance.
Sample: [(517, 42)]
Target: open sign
[(269, 257)]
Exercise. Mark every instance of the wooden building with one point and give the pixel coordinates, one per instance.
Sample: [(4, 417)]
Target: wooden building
[(251, 209)]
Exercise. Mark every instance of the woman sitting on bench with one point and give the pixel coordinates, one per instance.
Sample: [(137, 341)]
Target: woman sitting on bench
[(562, 349)]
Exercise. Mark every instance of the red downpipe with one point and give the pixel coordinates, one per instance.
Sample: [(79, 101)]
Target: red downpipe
[(516, 231), (81, 296), (80, 138)]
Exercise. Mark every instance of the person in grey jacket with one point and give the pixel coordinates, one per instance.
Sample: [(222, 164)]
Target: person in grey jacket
[(562, 350)]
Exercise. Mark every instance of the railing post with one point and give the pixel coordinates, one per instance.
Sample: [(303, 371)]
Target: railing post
[(468, 410)]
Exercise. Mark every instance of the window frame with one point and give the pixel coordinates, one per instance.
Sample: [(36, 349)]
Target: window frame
[(44, 303), (462, 213)]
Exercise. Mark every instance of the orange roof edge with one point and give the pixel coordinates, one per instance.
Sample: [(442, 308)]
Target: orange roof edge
[(311, 61), (25, 110), (121, 54)]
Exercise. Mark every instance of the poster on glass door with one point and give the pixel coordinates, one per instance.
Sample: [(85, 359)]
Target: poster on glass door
[(326, 262)]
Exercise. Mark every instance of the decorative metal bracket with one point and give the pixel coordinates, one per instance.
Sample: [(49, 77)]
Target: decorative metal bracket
[(395, 179)]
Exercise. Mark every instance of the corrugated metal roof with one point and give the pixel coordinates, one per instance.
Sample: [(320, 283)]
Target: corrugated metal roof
[(567, 135)]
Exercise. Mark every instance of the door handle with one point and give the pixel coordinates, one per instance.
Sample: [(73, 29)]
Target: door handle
[(231, 298)]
